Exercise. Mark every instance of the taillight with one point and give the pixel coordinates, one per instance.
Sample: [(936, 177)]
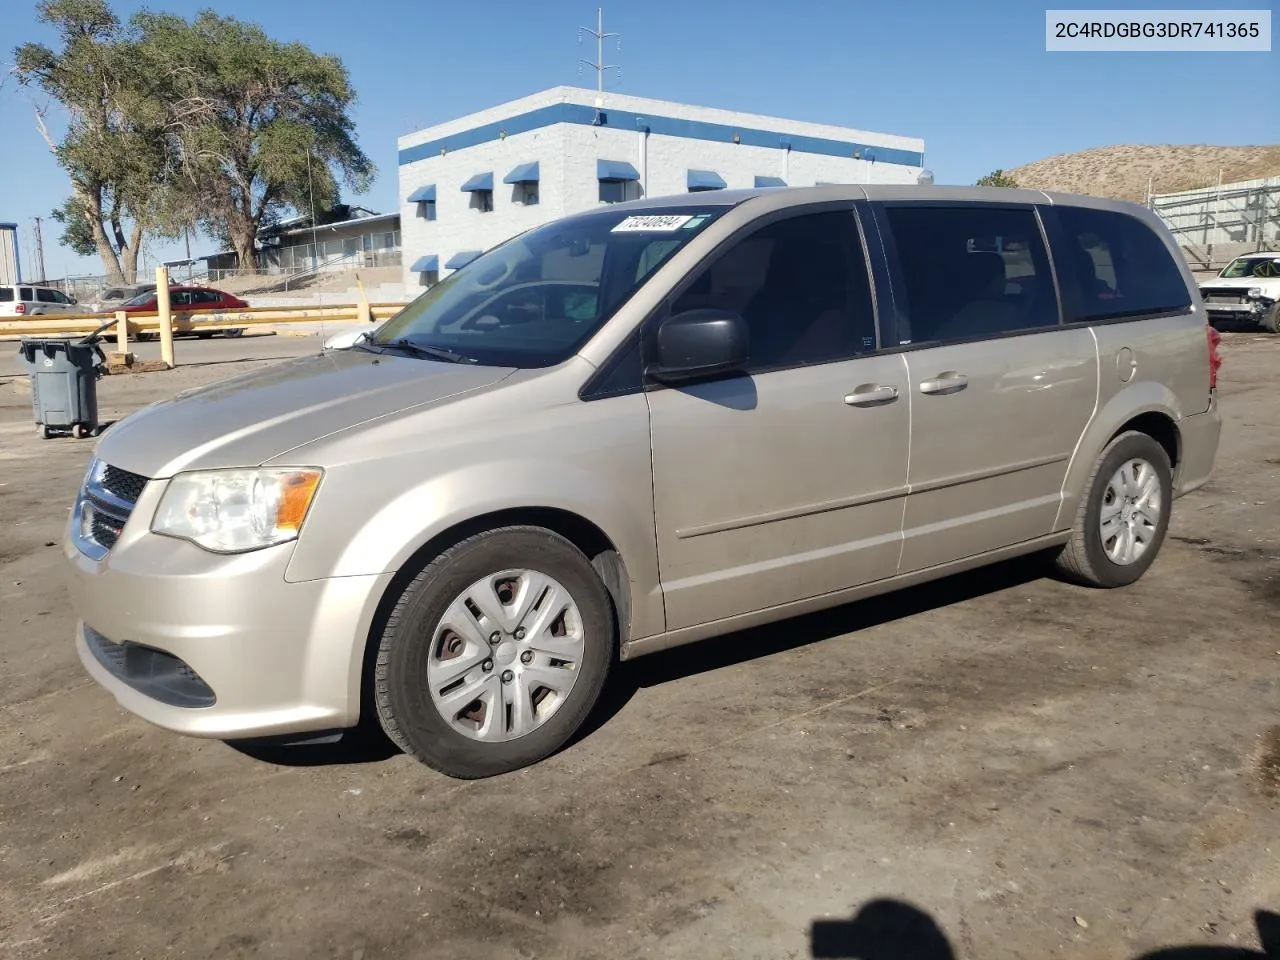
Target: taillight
[(1215, 358), (20, 308)]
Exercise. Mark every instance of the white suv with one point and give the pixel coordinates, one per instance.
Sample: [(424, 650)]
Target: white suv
[(1247, 290), (27, 300)]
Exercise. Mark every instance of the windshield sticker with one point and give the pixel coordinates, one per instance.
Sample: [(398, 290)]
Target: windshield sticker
[(697, 221), (652, 223)]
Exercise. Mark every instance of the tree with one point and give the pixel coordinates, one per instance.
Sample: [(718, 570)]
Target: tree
[(77, 235), (997, 178), (113, 147), (256, 127)]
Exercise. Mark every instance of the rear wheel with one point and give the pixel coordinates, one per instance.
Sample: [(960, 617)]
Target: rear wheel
[(495, 654), (1124, 515)]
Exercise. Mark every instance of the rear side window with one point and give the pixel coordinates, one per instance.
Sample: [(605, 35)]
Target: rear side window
[(1118, 267), (970, 272), (24, 293), (6, 294)]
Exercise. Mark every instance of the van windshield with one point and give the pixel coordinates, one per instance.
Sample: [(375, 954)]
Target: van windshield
[(536, 299)]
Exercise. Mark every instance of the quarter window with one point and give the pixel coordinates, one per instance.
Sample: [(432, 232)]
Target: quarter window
[(801, 284), (6, 294), (970, 272), (1118, 266)]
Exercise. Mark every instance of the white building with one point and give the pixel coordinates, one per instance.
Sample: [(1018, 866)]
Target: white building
[(468, 184)]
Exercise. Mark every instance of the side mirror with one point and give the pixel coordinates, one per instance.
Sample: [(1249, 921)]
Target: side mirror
[(699, 343)]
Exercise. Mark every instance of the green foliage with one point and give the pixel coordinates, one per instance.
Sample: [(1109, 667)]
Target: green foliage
[(258, 127), (112, 146), (174, 123), (997, 178), (76, 232)]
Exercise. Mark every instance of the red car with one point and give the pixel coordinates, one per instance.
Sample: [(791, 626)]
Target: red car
[(188, 299)]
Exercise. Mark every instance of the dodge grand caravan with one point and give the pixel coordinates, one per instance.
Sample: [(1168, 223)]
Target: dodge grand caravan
[(633, 428)]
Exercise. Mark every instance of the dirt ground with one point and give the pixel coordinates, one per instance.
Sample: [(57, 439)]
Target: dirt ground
[(996, 765)]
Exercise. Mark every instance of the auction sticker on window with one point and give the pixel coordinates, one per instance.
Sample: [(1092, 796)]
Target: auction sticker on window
[(653, 223)]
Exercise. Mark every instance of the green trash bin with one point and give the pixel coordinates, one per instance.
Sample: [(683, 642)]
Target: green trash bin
[(64, 384)]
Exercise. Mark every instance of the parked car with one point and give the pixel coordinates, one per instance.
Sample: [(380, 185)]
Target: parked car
[(755, 404), (30, 300), (1246, 291), (190, 300), (113, 298)]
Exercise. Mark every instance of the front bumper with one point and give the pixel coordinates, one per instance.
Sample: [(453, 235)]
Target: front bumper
[(1252, 311), (273, 657), (1199, 436)]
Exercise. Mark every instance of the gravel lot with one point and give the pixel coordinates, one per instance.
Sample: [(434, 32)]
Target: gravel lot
[(1038, 769)]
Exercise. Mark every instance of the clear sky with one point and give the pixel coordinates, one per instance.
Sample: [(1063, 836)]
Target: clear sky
[(971, 78)]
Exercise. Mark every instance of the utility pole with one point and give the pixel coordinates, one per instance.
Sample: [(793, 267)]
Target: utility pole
[(311, 190), (599, 66), (40, 250)]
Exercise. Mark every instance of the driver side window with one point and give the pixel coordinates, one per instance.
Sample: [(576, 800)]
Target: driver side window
[(801, 284)]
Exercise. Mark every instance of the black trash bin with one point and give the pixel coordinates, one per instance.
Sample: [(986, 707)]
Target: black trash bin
[(64, 384)]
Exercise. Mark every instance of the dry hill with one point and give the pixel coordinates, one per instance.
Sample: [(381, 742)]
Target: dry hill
[(1122, 171)]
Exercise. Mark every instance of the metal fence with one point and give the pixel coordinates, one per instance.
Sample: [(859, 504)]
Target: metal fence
[(1238, 215), (380, 249)]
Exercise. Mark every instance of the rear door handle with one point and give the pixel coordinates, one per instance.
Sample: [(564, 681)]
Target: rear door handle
[(945, 383), (871, 395)]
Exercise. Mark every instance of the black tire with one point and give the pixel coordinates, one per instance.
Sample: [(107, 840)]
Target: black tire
[(204, 335), (405, 707), (1271, 319), (1084, 558), (80, 431), (46, 432)]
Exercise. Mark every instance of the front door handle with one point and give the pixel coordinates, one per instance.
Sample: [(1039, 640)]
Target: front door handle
[(871, 395), (945, 383)]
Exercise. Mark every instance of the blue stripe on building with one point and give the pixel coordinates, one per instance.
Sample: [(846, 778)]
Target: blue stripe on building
[(584, 115)]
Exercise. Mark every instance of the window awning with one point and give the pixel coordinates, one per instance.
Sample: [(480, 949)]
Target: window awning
[(616, 170), (460, 260), (525, 173), (427, 264), (770, 182), (425, 194), (481, 181), (705, 180)]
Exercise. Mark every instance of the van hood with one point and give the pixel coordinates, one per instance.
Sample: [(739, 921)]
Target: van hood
[(248, 420)]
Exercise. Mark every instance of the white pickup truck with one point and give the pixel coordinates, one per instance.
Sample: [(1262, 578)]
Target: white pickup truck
[(1246, 291)]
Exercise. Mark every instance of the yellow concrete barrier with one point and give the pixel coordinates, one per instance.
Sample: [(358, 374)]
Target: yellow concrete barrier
[(194, 321)]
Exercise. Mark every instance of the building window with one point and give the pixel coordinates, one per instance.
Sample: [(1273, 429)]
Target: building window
[(527, 193), (429, 278), (482, 200), (613, 191), (428, 208)]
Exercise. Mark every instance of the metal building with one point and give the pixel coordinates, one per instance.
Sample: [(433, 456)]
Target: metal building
[(470, 183), (10, 263)]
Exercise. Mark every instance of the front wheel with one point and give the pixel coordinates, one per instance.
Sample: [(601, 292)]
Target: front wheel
[(1124, 514), (1271, 319), (495, 654)]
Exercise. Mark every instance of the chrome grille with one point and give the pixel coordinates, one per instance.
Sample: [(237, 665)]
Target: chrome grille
[(103, 508), (1222, 296)]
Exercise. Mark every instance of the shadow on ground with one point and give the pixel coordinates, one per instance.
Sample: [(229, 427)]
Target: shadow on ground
[(894, 930)]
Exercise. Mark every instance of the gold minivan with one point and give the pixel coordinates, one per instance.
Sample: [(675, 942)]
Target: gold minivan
[(633, 428)]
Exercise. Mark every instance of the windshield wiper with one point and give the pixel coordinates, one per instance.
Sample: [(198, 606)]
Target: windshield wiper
[(423, 350)]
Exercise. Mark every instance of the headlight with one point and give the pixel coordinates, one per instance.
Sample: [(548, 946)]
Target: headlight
[(231, 511), (1254, 293)]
